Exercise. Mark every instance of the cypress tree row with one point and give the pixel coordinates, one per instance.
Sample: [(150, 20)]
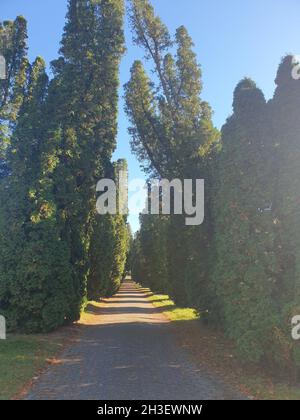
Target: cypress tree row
[(245, 270), (83, 97), (257, 214), (61, 145), (149, 254), (241, 267), (25, 275), (121, 232), (35, 279), (284, 130), (173, 137), (109, 249)]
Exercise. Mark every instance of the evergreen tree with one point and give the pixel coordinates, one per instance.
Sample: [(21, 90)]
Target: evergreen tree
[(35, 280), (173, 137), (83, 97), (13, 47), (109, 248), (256, 277), (149, 254), (284, 133), (62, 144), (245, 273)]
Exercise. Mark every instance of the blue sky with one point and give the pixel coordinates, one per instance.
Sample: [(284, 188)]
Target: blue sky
[(233, 39)]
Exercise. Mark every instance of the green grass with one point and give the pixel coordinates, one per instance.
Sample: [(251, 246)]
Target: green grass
[(212, 347), (21, 357), (173, 312)]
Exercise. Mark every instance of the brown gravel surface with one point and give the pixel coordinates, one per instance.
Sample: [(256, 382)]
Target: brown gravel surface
[(127, 350)]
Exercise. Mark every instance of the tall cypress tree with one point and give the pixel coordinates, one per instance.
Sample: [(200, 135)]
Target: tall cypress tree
[(109, 247), (246, 269), (173, 137), (35, 277), (62, 144), (284, 132), (150, 254), (84, 97), (13, 47)]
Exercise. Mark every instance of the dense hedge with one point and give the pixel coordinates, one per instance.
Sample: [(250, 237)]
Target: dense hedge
[(173, 136), (110, 243), (57, 140), (240, 269)]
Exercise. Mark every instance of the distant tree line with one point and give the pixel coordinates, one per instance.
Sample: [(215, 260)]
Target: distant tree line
[(56, 141), (241, 268)]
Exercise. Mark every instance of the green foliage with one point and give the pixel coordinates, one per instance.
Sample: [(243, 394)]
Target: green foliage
[(173, 137), (257, 215), (35, 286), (149, 253), (245, 271), (83, 98), (241, 267), (285, 130), (109, 249), (13, 46), (57, 140)]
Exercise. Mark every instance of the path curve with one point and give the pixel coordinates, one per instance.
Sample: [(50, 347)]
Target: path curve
[(127, 351)]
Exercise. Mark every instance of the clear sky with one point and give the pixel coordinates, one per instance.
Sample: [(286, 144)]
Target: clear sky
[(233, 39)]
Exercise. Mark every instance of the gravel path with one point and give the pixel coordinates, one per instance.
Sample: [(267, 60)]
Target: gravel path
[(127, 351)]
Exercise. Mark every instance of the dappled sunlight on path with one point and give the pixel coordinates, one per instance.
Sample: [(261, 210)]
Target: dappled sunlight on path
[(129, 305), (126, 350)]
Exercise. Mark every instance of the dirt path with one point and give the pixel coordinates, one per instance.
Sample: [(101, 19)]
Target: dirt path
[(127, 350)]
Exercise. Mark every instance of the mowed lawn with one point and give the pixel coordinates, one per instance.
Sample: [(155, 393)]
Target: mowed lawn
[(22, 357), (173, 312)]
